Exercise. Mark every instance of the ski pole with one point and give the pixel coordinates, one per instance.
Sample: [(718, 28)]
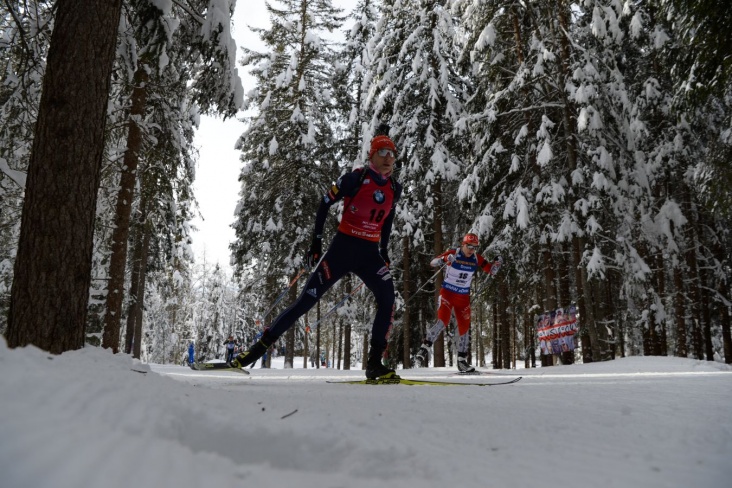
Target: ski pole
[(425, 284), (490, 275), (282, 295), (336, 306), (483, 286)]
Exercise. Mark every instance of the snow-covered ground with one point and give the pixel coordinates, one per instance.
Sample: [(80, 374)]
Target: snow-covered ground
[(92, 419)]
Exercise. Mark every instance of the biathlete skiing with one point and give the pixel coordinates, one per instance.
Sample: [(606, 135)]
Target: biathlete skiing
[(460, 265), (360, 246)]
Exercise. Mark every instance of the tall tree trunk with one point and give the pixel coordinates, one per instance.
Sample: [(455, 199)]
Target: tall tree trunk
[(339, 354), (495, 342), (702, 340), (723, 296), (136, 299), (317, 336), (529, 341), (480, 346), (660, 327), (565, 297), (347, 333), (681, 349), (306, 342), (549, 299), (724, 318), (52, 274), (505, 325), (142, 281), (406, 323), (347, 346), (706, 307), (438, 347), (123, 210), (290, 334), (334, 345)]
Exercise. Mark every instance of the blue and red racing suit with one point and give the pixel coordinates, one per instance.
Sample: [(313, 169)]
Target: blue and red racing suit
[(369, 201), (455, 294)]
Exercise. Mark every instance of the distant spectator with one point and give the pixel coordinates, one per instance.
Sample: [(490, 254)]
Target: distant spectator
[(191, 355), (230, 345)]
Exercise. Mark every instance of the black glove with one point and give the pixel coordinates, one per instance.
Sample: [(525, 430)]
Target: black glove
[(497, 262), (385, 256), (315, 252)]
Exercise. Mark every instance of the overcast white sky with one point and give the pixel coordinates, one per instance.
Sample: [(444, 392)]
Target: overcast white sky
[(216, 186)]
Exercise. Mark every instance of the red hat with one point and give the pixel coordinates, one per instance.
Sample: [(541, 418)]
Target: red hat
[(381, 142), (470, 239)]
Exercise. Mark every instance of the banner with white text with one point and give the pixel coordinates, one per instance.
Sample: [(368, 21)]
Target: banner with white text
[(556, 330)]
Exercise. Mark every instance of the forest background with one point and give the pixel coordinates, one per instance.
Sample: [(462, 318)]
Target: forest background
[(588, 143)]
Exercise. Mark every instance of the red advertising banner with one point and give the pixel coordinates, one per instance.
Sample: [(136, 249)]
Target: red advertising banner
[(556, 330)]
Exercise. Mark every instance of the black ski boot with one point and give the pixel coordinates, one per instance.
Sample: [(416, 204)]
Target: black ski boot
[(255, 352), (423, 354), (375, 369), (462, 364)]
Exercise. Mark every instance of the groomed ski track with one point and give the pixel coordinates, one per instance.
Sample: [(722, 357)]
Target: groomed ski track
[(531, 377)]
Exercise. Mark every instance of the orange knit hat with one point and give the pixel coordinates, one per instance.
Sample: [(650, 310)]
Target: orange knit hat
[(381, 142)]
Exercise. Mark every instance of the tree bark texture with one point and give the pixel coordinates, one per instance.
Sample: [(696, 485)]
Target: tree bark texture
[(135, 297), (406, 323), (50, 291), (438, 347), (142, 280), (123, 210), (681, 348)]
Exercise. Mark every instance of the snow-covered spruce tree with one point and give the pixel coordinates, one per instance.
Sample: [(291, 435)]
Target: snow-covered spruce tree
[(26, 29), (518, 183), (288, 150), (413, 85), (643, 151), (165, 57), (146, 39), (702, 79)]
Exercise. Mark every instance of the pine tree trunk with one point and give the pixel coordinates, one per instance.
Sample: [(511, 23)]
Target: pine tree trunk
[(505, 325), (406, 323), (588, 332), (660, 328), (147, 235), (706, 307), (52, 274), (681, 350), (339, 354), (495, 343), (722, 298), (135, 301), (724, 312), (439, 345), (306, 342), (290, 334), (565, 297), (549, 298), (334, 345), (650, 335), (702, 339), (365, 351), (123, 210), (347, 333), (347, 346), (529, 341), (480, 346)]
